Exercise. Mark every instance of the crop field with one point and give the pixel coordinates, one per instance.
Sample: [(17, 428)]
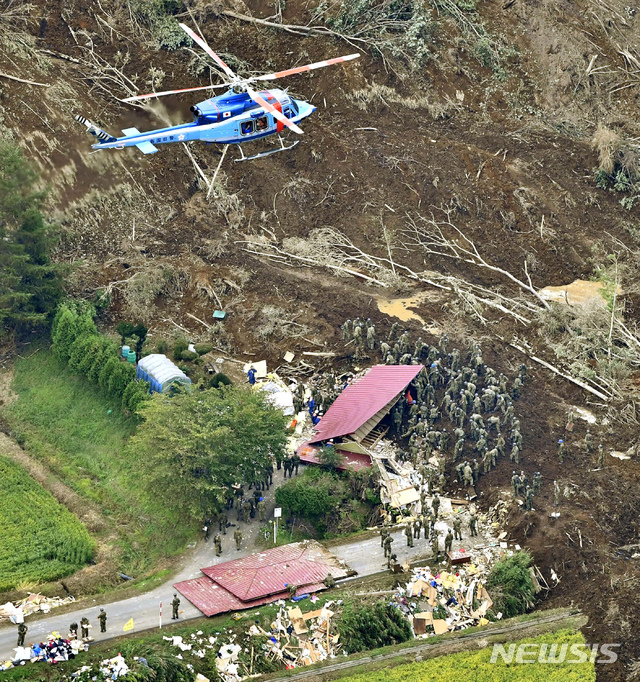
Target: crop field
[(40, 540), (70, 426), (477, 666)]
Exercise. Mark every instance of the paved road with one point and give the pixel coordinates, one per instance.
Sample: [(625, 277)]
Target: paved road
[(365, 556)]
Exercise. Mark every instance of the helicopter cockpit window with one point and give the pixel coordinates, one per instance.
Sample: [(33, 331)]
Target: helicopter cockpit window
[(261, 123), (287, 112), (246, 127)]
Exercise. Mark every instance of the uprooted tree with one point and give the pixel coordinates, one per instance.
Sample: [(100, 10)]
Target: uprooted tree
[(192, 447)]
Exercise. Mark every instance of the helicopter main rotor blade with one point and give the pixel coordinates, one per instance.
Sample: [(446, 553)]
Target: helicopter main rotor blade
[(278, 115), (173, 92), (307, 67), (197, 39)]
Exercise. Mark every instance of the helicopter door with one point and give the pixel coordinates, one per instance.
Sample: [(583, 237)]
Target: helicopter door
[(247, 127)]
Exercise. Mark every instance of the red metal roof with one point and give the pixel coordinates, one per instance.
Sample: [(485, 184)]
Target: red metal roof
[(269, 572), (212, 599), (260, 578), (363, 398), (352, 460)]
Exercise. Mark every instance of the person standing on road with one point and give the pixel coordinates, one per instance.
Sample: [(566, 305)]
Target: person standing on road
[(175, 605), (217, 541), (409, 534), (237, 536), (84, 626), (22, 633), (73, 631), (102, 618)]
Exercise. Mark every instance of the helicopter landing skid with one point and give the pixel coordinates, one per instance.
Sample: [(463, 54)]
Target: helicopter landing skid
[(281, 148)]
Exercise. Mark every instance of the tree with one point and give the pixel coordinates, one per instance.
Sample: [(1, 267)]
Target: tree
[(120, 377), (125, 329), (193, 446), (370, 626), (106, 350), (511, 585), (30, 285), (109, 368), (329, 458), (134, 394), (73, 320)]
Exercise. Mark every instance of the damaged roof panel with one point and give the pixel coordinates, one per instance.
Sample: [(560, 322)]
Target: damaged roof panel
[(361, 401)]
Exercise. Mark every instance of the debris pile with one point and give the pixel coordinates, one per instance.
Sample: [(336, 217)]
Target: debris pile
[(293, 639), (299, 639), (55, 650), (443, 602), (17, 611)]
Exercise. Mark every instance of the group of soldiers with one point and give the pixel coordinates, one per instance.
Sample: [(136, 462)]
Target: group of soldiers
[(476, 402), (426, 523), (247, 506), (523, 488), (85, 625)]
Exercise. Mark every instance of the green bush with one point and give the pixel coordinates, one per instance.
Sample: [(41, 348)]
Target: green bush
[(372, 626), (188, 355), (219, 379), (329, 458), (511, 586), (179, 345), (120, 378), (108, 368), (106, 350), (313, 496), (203, 348), (73, 319), (158, 16), (134, 394)]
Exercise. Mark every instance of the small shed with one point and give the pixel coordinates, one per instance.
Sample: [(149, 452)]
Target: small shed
[(160, 372)]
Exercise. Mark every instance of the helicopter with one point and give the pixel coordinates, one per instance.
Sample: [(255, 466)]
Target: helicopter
[(239, 115)]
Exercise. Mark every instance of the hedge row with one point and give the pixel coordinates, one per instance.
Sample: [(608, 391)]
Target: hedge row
[(77, 342)]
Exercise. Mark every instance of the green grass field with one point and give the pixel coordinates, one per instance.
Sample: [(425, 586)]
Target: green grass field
[(67, 423), (40, 540), (476, 666)]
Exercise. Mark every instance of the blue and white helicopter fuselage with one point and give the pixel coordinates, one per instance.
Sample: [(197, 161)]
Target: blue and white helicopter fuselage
[(239, 115), (231, 118)]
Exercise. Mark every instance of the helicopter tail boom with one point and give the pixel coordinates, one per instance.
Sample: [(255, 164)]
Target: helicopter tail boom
[(94, 130)]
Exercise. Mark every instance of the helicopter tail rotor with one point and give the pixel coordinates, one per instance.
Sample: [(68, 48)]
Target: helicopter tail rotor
[(94, 130)]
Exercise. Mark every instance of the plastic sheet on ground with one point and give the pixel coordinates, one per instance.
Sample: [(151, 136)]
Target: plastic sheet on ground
[(278, 393)]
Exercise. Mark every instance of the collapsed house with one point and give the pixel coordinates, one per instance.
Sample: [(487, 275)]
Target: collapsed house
[(262, 578), (354, 424)]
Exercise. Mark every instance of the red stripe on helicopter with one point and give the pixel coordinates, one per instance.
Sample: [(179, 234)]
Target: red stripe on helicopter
[(309, 67)]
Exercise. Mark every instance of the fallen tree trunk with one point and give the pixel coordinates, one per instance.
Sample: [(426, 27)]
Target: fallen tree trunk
[(573, 380)]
